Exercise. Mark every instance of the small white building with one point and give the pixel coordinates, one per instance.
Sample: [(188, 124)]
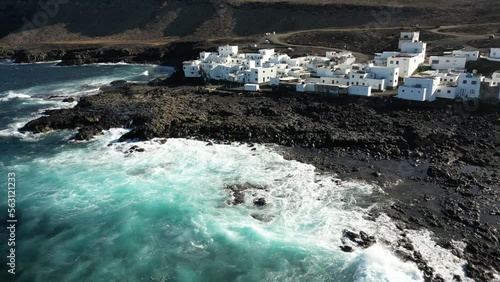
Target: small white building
[(468, 55), (469, 85), (432, 85), (261, 74), (495, 53), (419, 88), (408, 37), (411, 56), (407, 63), (192, 69), (360, 90), (447, 62), (389, 74), (252, 87), (228, 50), (494, 80)]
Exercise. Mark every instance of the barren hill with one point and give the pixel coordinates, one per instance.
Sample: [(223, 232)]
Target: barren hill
[(63, 20)]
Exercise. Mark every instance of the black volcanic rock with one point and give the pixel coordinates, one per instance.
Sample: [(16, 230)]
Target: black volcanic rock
[(446, 162)]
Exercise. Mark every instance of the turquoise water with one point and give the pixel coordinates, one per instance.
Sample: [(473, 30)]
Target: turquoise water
[(93, 212)]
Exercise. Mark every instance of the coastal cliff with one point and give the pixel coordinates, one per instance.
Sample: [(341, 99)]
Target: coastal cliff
[(455, 194)]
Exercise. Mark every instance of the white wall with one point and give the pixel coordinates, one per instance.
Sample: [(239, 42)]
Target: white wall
[(360, 90), (495, 53), (414, 47), (469, 85), (447, 62), (266, 52), (468, 55), (252, 87), (305, 87), (412, 93), (389, 74), (446, 92), (419, 89), (407, 64), (494, 80), (192, 69), (325, 72), (408, 37), (262, 75), (228, 50)]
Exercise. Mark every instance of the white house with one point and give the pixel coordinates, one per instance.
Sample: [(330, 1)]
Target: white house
[(432, 85), (411, 56), (192, 68), (408, 37), (495, 53), (251, 87), (468, 55), (494, 80), (262, 74), (228, 50), (389, 74), (367, 76), (419, 88), (407, 64), (469, 85), (360, 90), (447, 62)]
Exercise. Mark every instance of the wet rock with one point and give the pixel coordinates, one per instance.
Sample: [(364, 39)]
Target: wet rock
[(347, 249), (263, 218), (362, 239), (454, 187), (69, 100), (135, 149), (238, 192), (87, 133), (260, 202)]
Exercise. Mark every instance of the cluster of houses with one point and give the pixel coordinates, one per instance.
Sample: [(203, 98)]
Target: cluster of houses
[(338, 73)]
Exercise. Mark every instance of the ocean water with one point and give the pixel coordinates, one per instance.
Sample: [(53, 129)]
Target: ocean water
[(91, 211)]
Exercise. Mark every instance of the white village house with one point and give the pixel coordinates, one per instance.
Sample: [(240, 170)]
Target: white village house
[(431, 85), (494, 55), (335, 69), (408, 59), (447, 62), (338, 72)]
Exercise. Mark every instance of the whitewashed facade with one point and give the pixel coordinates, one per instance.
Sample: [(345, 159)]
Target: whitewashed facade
[(445, 85), (447, 62), (468, 55), (408, 59)]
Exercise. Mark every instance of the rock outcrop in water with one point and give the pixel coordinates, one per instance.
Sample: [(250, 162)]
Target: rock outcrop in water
[(448, 157)]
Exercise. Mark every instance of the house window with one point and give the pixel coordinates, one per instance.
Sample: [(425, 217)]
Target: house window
[(353, 76), (473, 82), (449, 91), (361, 76), (439, 90), (465, 82), (392, 62), (435, 62), (403, 90)]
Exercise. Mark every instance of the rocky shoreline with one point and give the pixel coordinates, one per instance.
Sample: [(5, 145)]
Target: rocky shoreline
[(442, 159), (171, 54)]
